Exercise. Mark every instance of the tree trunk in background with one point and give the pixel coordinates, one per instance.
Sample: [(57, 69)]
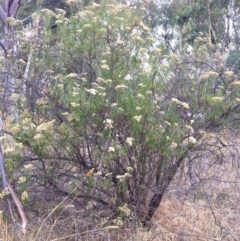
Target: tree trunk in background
[(9, 10)]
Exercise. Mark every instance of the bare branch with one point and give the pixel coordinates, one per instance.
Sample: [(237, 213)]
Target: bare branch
[(2, 168), (19, 207), (6, 6), (7, 185), (3, 16), (14, 7), (3, 47)]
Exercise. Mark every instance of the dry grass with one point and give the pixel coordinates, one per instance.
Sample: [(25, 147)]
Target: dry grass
[(174, 221)]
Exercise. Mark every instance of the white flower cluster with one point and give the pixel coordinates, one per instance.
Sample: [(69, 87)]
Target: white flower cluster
[(72, 75), (178, 102), (108, 123), (45, 126), (210, 74), (22, 179), (128, 77), (129, 141), (125, 210), (24, 196), (121, 178), (173, 145), (137, 118), (121, 87), (111, 149), (229, 74), (91, 91), (189, 129), (4, 193), (28, 166), (217, 99)]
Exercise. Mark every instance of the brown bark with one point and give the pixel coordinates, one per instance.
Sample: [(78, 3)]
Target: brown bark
[(163, 184)]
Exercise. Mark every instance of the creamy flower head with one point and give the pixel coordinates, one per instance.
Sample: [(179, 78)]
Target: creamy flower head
[(72, 75), (143, 50), (59, 21), (91, 91), (108, 81), (79, 31), (87, 26), (13, 21), (129, 169), (128, 77), (210, 74), (24, 196), (45, 126), (121, 87), (137, 118), (22, 179), (48, 12), (105, 66), (21, 61), (167, 123), (4, 193), (138, 38), (119, 42), (60, 86), (111, 149), (173, 145), (108, 123), (123, 177), (100, 80), (119, 19), (217, 99), (184, 105), (28, 166), (189, 129), (189, 141), (15, 129), (89, 13), (74, 93), (124, 209), (192, 140), (98, 174), (114, 104), (229, 74), (236, 83), (61, 11), (213, 74), (129, 141), (140, 96), (74, 104), (37, 137), (8, 150), (96, 5), (178, 102)]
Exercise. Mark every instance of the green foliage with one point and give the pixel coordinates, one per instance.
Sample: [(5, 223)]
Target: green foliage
[(107, 106)]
